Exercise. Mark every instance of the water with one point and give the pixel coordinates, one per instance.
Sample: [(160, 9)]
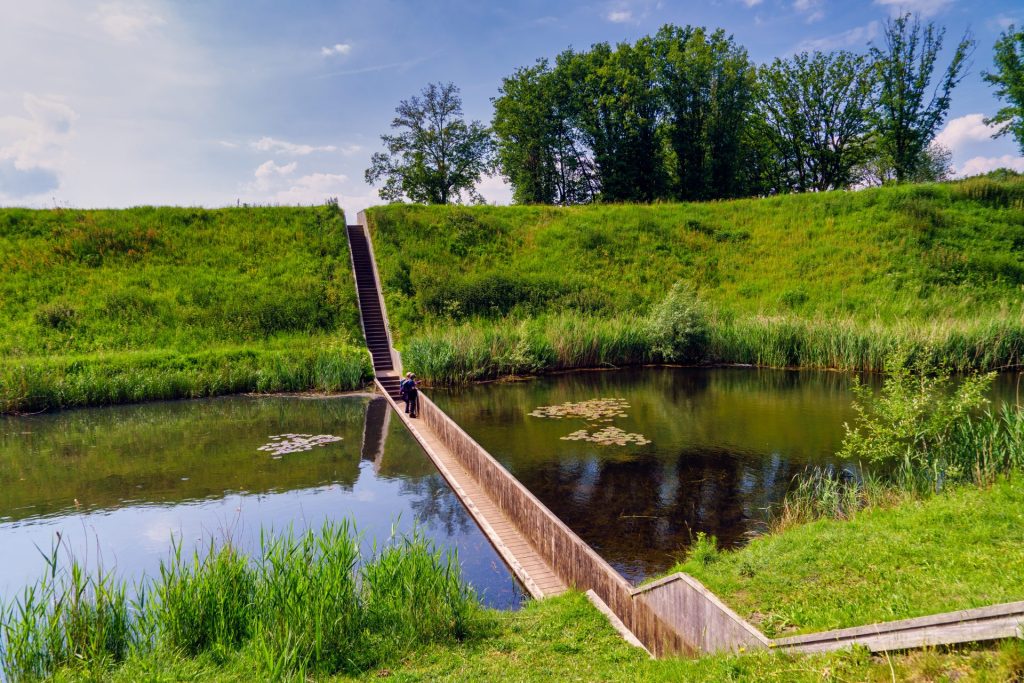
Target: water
[(725, 444), (117, 483)]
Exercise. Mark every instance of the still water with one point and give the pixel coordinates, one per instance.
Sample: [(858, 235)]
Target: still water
[(705, 449), (118, 483)]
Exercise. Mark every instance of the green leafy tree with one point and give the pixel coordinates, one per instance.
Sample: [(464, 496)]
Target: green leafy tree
[(435, 156), (539, 150), (816, 109), (909, 110), (617, 110), (1009, 81), (707, 87)]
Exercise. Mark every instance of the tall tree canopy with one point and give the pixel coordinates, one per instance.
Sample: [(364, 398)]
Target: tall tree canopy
[(909, 111), (816, 110), (538, 147), (435, 156), (706, 83), (1009, 81)]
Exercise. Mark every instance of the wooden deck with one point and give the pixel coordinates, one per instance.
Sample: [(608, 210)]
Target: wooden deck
[(525, 562)]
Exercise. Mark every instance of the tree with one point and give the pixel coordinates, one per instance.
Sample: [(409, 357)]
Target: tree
[(436, 156), (909, 114), (616, 108), (817, 112), (707, 87), (538, 149), (1009, 81)]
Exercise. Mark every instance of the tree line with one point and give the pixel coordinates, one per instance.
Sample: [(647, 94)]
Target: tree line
[(686, 115)]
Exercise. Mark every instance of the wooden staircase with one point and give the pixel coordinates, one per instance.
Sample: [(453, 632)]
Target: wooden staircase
[(375, 328)]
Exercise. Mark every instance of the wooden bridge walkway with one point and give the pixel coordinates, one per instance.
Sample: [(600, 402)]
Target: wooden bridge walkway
[(525, 562)]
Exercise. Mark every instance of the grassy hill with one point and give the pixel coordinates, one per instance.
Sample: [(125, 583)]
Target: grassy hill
[(146, 303), (835, 279)]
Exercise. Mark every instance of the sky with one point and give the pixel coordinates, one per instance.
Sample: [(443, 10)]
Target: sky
[(215, 102)]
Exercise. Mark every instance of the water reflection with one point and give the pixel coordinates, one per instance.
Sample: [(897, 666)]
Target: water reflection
[(726, 444), (116, 483)]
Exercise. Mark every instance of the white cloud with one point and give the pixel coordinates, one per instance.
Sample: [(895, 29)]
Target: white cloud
[(752, 3), (341, 49), (269, 144), (965, 129), (621, 16), (33, 148), (926, 8), (1001, 22), (811, 9), (312, 189), (125, 22), (858, 36), (267, 173), (978, 165)]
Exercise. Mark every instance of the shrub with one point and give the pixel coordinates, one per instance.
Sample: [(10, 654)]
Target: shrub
[(678, 326), (912, 425)]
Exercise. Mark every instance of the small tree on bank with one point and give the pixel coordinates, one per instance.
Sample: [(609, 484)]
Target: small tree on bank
[(435, 156)]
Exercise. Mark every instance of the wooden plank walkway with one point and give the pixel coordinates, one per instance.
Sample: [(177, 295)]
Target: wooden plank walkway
[(525, 562)]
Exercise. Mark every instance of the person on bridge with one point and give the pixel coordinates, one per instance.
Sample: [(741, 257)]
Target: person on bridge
[(412, 395), (403, 390)]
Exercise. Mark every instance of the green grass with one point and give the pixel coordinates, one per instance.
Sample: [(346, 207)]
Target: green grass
[(308, 603), (566, 639), (107, 306), (961, 549), (834, 279)]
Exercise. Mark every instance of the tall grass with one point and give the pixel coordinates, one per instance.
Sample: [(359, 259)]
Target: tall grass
[(35, 384), (482, 349), (101, 307), (305, 603)]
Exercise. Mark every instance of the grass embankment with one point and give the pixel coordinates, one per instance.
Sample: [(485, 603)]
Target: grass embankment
[(958, 550), (836, 280), (100, 307), (961, 549)]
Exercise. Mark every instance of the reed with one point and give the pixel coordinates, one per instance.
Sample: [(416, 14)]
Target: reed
[(31, 385), (312, 602)]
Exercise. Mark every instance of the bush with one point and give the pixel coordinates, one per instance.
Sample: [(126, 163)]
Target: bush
[(678, 327), (912, 426)]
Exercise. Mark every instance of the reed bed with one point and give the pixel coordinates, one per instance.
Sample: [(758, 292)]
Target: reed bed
[(305, 604), (484, 349), (37, 384)]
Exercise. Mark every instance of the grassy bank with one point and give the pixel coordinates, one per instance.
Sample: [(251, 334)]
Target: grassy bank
[(958, 550), (834, 279), (111, 306), (303, 609)]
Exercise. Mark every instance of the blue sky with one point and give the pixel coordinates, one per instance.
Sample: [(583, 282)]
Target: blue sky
[(209, 102)]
